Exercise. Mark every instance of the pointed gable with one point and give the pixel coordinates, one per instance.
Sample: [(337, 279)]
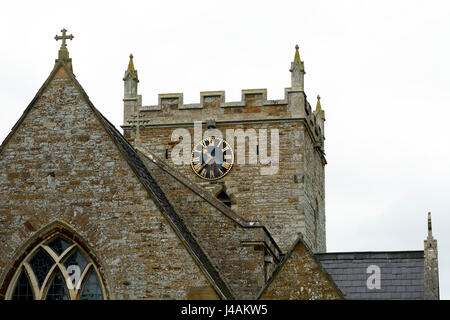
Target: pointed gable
[(300, 276), (64, 160)]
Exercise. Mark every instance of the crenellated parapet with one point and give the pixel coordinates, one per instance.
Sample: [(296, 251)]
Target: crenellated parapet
[(278, 150), (254, 106)]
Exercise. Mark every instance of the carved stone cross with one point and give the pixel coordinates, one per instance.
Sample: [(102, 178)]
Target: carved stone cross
[(64, 37), (138, 122)]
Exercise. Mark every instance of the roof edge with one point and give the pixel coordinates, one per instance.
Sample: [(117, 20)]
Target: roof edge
[(413, 254)]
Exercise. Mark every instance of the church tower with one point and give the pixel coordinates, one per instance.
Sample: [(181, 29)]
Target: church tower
[(278, 170)]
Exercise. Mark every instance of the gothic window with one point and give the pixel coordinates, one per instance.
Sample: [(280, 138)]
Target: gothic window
[(57, 269), (91, 289), (22, 289), (222, 196)]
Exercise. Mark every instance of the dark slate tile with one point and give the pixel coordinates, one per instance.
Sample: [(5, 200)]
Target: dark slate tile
[(357, 283), (416, 270), (411, 289), (346, 256), (401, 273), (405, 295), (396, 295), (406, 282), (386, 282), (355, 296), (345, 283)]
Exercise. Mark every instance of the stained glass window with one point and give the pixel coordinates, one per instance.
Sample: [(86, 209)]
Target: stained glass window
[(59, 245), (41, 264), (67, 266), (75, 265), (92, 289), (23, 290), (58, 289)]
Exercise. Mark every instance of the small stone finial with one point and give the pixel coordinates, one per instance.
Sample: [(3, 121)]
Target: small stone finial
[(131, 70), (319, 109), (318, 106), (430, 231), (297, 54), (63, 53), (131, 64), (297, 71)]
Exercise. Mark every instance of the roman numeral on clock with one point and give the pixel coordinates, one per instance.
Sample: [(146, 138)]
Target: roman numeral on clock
[(226, 165), (197, 167)]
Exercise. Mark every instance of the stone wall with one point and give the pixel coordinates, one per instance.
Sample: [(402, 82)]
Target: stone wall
[(284, 202), (60, 164), (240, 250), (288, 202), (300, 277)]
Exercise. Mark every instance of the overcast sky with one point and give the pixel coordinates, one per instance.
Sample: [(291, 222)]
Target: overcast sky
[(381, 68)]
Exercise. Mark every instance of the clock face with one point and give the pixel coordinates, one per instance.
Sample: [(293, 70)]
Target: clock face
[(212, 158)]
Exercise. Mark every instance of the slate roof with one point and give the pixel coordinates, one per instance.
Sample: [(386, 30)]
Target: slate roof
[(402, 274)]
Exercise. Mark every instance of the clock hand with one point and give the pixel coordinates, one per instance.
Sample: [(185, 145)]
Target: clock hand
[(205, 163)]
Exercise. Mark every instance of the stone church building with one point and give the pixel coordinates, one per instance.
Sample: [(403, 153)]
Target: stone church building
[(212, 200)]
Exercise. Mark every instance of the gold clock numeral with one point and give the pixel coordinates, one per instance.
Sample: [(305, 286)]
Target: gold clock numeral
[(203, 173), (226, 148), (211, 173), (196, 159), (226, 165), (227, 156), (197, 167), (221, 173)]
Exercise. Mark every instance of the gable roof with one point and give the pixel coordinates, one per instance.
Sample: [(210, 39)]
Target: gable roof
[(402, 273), (300, 275), (145, 177)]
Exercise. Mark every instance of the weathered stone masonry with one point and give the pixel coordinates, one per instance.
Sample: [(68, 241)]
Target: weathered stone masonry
[(289, 202), (156, 231), (61, 165)]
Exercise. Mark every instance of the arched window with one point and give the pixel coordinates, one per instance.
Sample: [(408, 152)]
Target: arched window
[(222, 196), (56, 269)]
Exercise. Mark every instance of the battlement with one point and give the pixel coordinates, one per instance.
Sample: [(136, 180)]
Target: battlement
[(253, 106), (172, 111), (214, 99), (278, 145)]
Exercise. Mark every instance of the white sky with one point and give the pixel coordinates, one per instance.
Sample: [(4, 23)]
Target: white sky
[(381, 68)]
